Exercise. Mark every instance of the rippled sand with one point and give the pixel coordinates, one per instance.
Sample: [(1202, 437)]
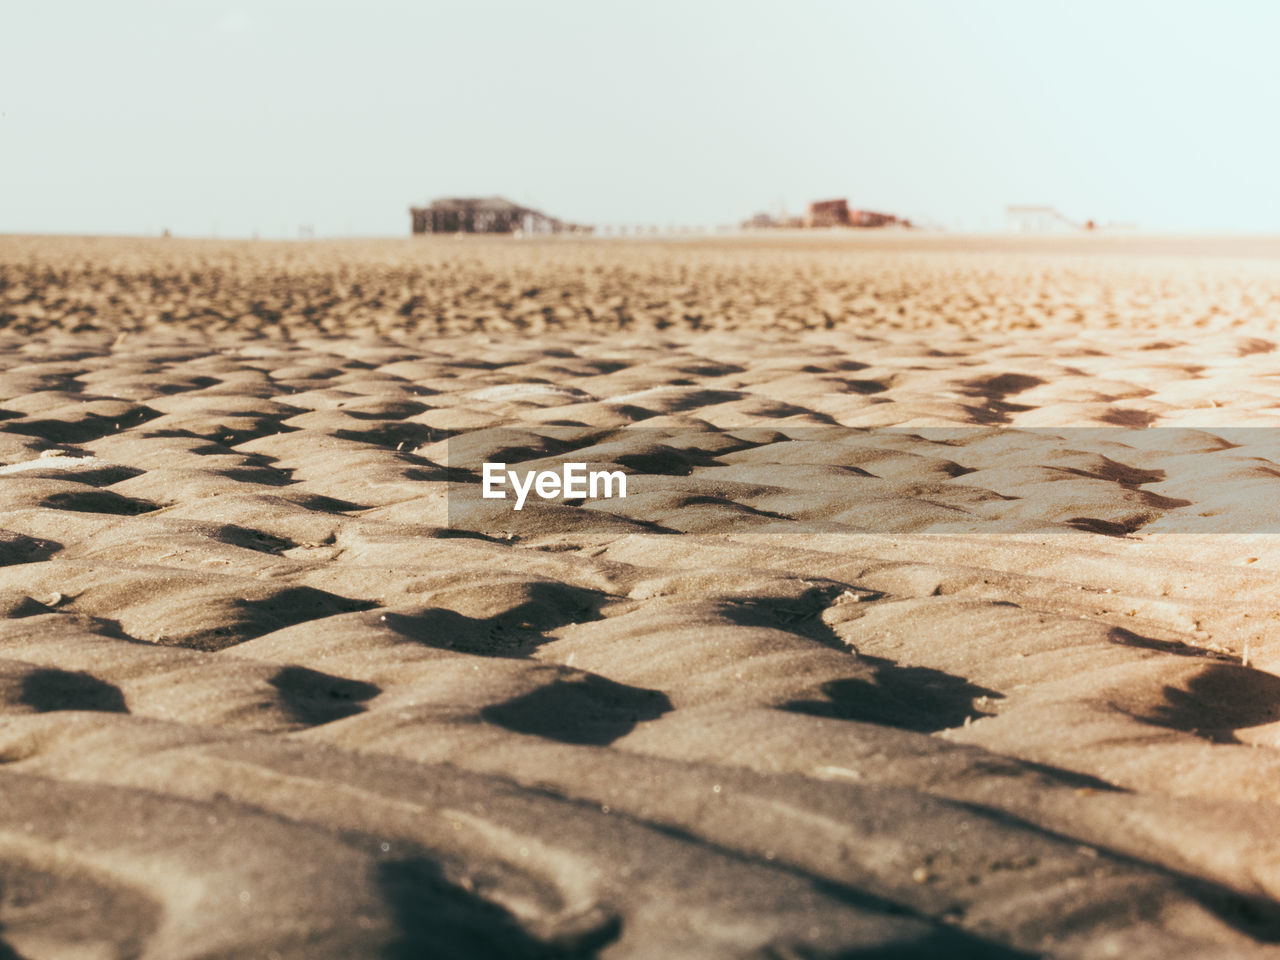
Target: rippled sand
[(264, 693)]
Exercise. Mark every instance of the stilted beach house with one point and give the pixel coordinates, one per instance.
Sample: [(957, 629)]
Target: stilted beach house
[(485, 215)]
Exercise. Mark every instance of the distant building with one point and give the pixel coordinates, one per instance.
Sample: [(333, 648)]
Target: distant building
[(1040, 219), (767, 221), (869, 218), (836, 213), (485, 215), (828, 213)]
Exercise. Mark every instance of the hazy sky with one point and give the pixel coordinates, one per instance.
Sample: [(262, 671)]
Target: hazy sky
[(231, 117)]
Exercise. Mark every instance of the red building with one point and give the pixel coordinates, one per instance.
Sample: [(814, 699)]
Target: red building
[(836, 213), (828, 213), (869, 218)]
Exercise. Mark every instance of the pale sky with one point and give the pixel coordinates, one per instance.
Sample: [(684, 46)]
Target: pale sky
[(235, 117)]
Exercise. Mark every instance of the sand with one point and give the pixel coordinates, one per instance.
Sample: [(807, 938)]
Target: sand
[(942, 623)]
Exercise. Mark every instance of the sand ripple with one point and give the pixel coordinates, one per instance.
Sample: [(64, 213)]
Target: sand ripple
[(263, 693)]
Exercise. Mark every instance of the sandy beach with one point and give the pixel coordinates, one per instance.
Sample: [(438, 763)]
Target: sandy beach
[(940, 619)]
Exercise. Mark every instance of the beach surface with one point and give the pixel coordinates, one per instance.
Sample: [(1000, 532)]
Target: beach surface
[(941, 619)]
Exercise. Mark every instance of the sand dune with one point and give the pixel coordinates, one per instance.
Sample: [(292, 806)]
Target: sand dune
[(939, 619)]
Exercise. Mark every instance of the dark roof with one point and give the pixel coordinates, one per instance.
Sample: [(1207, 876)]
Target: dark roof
[(500, 205), (477, 203)]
